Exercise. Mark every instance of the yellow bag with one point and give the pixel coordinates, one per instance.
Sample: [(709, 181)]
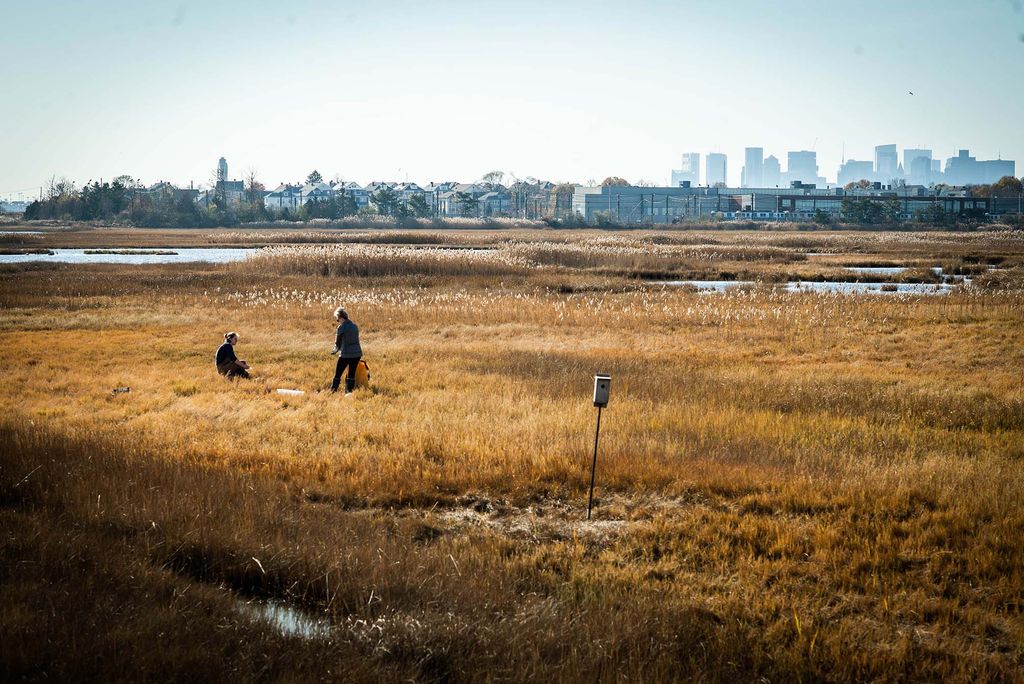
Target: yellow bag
[(362, 374)]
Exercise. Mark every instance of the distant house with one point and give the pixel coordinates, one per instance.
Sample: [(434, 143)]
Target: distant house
[(448, 203), (166, 192), (320, 192), (494, 203), (283, 197), (406, 191), (355, 191), (231, 192), (433, 192)]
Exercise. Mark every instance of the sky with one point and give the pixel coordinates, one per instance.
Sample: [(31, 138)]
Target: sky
[(450, 90)]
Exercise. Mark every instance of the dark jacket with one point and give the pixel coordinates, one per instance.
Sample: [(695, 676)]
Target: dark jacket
[(225, 354), (347, 340)]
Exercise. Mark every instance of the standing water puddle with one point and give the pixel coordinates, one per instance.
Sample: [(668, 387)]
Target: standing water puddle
[(286, 619), (179, 256), (710, 286), (706, 285), (871, 288)]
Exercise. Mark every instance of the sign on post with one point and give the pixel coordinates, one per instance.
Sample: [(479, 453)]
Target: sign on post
[(602, 388)]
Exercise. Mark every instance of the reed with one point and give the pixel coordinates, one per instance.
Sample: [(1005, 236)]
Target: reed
[(790, 485)]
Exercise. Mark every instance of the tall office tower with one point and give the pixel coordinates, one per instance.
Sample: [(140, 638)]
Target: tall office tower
[(920, 171), (772, 172), (689, 171), (885, 162), (716, 169), (853, 171), (802, 166), (909, 158), (964, 169), (753, 168), (222, 169)]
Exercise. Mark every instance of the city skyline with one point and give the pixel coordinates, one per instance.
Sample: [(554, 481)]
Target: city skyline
[(455, 90)]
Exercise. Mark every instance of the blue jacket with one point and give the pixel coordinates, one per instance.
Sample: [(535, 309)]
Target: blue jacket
[(347, 341)]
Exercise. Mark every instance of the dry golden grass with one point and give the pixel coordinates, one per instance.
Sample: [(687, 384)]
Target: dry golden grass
[(791, 486)]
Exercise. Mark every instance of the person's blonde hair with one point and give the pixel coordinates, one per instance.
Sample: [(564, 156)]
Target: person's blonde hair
[(340, 313), (229, 335)]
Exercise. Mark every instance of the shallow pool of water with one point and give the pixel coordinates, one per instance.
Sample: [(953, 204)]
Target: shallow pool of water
[(287, 619), (706, 285), (871, 288), (217, 255), (876, 270)]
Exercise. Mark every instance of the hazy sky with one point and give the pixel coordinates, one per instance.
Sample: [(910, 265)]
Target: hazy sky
[(451, 90)]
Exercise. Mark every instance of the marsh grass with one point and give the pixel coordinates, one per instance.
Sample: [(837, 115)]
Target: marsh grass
[(791, 485)]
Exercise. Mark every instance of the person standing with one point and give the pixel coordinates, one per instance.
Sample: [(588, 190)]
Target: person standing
[(346, 346), (227, 363)]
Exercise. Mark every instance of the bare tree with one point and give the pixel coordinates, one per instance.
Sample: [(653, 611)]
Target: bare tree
[(253, 188), (493, 177)]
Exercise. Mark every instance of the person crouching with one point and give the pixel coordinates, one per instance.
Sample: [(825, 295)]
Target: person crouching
[(346, 346), (227, 363)]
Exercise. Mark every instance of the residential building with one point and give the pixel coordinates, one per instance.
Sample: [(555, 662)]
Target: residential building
[(165, 192), (354, 190), (689, 170), (716, 169), (448, 202), (316, 192), (752, 175), (284, 196), (495, 203)]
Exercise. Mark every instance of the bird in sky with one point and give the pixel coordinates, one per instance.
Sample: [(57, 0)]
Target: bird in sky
[(911, 92)]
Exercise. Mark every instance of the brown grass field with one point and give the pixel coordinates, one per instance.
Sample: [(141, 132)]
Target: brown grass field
[(790, 486)]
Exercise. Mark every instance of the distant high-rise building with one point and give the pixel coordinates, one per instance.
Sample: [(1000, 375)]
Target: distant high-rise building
[(853, 171), (910, 154), (964, 169), (688, 171), (920, 171), (716, 169), (771, 172), (222, 169), (752, 175), (923, 173), (886, 162), (802, 166)]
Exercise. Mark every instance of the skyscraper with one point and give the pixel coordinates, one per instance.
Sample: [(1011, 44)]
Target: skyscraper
[(964, 169), (716, 169), (222, 169), (917, 172), (802, 166), (886, 161), (753, 168), (853, 171), (688, 171), (772, 176)]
